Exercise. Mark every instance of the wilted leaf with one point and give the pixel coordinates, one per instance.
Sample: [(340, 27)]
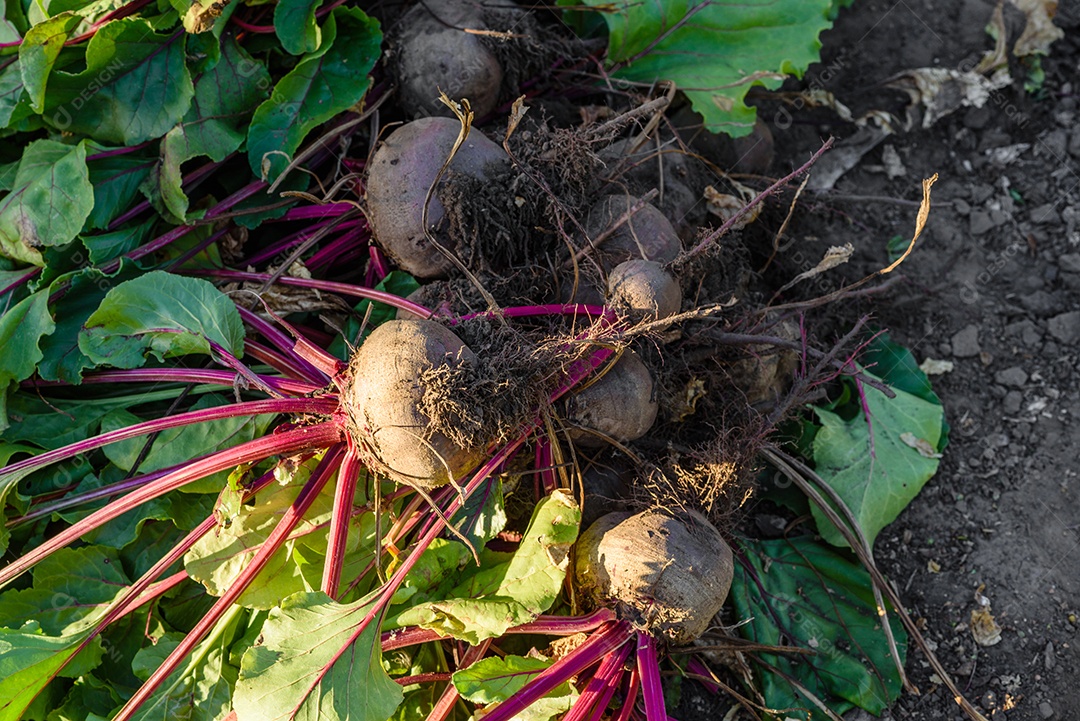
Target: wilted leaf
[(49, 202)]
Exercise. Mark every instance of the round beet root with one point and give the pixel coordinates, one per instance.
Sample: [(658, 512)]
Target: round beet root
[(647, 235), (435, 52), (644, 289), (402, 170), (622, 404), (384, 398), (672, 573)]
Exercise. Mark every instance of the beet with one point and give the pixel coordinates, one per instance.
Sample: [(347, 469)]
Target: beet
[(647, 235), (644, 290), (435, 53), (383, 400), (670, 573), (399, 176), (622, 404)]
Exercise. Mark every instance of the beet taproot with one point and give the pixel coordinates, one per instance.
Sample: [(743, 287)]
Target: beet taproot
[(671, 573), (646, 235), (384, 399), (644, 290), (401, 171), (622, 404), (435, 51)]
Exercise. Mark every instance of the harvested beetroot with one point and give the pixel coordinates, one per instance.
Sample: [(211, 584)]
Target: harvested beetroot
[(401, 172), (670, 573), (434, 52), (622, 404), (646, 235), (385, 397), (644, 290)]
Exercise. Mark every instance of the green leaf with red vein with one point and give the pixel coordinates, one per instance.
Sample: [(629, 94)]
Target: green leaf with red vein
[(50, 200), (214, 126), (38, 53), (308, 665), (715, 51), (323, 84), (135, 87), (162, 314)]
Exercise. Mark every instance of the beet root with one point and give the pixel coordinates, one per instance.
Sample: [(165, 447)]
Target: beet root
[(435, 52), (644, 289), (646, 235), (622, 404), (669, 573), (402, 170), (384, 398)]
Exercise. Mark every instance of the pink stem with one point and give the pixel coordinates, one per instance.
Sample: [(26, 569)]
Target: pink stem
[(337, 539), (563, 626), (631, 696), (261, 29), (19, 282), (354, 291), (606, 641), (180, 375), (601, 687), (284, 344), (404, 637), (697, 667), (317, 406), (281, 532), (308, 212), (649, 670), (121, 605), (305, 438)]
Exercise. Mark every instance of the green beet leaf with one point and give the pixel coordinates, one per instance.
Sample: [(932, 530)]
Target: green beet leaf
[(71, 590), (311, 664), (38, 53), (323, 84), (222, 555), (498, 596), (798, 592), (29, 660), (871, 462), (201, 689), (496, 679), (61, 358), (714, 51), (163, 314), (135, 87), (116, 180), (214, 126), (50, 200), (14, 100), (295, 25), (21, 331)]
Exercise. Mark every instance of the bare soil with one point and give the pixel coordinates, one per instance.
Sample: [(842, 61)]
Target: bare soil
[(994, 287)]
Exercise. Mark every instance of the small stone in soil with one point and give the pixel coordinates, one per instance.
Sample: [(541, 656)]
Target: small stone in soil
[(1070, 262), (1014, 377), (1065, 327), (1046, 710), (965, 343), (981, 222)]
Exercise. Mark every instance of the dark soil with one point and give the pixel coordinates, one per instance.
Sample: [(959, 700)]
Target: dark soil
[(994, 287)]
